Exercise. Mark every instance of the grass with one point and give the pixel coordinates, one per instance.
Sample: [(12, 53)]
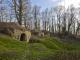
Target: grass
[(47, 49)]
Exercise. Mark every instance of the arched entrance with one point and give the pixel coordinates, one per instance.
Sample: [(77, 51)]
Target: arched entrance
[(23, 37)]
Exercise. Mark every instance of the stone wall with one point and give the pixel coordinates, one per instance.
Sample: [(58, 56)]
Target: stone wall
[(17, 35)]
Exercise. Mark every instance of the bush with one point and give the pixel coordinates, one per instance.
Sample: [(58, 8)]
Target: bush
[(34, 39), (7, 31)]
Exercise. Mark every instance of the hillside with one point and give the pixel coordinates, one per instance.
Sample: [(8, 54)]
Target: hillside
[(47, 49)]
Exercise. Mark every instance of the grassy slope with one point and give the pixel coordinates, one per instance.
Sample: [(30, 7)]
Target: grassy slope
[(11, 49)]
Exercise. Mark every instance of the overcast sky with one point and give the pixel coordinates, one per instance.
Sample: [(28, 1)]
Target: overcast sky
[(51, 3)]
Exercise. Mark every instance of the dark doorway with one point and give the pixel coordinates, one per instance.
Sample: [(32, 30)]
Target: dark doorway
[(23, 37)]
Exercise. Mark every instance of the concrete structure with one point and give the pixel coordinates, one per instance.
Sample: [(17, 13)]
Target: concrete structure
[(15, 31)]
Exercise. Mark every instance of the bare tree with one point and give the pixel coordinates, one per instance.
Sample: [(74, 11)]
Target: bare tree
[(2, 10), (20, 6), (59, 11), (71, 18), (64, 23), (36, 15)]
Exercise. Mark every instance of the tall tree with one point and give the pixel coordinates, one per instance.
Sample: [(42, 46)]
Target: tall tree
[(71, 17), (59, 11), (20, 6), (36, 15), (2, 10)]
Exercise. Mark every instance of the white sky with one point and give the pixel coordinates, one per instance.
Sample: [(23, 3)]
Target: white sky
[(52, 3), (67, 3)]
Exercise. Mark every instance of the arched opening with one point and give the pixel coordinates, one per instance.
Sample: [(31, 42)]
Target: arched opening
[(23, 37)]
